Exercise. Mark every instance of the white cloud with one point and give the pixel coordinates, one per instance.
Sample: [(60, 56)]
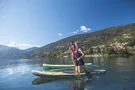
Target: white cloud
[(60, 34), (84, 29), (38, 46), (21, 45), (14, 44), (75, 32)]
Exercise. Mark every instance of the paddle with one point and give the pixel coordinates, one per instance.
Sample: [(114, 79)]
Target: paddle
[(87, 73)]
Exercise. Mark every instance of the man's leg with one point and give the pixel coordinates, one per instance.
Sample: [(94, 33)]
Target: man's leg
[(79, 70)]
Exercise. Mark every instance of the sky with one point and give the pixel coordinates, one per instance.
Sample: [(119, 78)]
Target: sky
[(30, 23)]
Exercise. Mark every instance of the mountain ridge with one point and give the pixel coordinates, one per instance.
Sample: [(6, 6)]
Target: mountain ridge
[(12, 52), (87, 40)]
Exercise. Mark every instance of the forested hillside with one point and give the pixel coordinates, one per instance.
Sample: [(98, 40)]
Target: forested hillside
[(113, 40)]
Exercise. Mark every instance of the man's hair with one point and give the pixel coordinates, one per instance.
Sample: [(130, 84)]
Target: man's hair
[(72, 42)]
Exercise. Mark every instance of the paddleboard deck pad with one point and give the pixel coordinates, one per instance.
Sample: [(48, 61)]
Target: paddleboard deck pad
[(49, 74), (52, 66)]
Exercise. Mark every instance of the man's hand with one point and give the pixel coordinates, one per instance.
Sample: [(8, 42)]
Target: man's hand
[(78, 59)]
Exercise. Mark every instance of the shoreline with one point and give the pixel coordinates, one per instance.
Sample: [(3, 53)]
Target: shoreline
[(95, 55)]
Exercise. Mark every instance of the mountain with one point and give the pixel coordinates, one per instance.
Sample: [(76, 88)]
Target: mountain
[(2, 48), (13, 52), (30, 49), (6, 51), (106, 37)]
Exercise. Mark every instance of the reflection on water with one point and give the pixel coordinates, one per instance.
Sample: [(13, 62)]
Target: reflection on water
[(77, 85), (42, 80), (73, 84), (57, 60), (15, 67), (16, 70), (16, 74)]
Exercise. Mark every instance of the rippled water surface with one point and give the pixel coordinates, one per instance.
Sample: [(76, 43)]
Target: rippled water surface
[(15, 74)]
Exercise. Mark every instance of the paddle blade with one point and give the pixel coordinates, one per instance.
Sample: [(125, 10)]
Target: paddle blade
[(87, 73)]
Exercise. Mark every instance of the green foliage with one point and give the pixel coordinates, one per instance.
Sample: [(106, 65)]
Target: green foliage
[(131, 43), (122, 52), (110, 51), (98, 50), (90, 51)]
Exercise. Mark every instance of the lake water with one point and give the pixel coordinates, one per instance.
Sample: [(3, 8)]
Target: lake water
[(15, 74)]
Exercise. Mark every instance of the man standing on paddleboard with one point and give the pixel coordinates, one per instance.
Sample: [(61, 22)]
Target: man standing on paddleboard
[(79, 54)]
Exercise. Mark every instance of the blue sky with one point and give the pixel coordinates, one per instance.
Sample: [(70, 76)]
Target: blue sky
[(27, 23)]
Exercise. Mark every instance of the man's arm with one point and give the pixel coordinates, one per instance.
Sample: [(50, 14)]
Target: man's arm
[(81, 55)]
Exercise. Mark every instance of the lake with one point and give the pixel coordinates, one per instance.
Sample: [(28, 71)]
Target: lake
[(15, 74)]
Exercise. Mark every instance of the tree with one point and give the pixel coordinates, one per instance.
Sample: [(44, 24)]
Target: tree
[(90, 50), (131, 43), (111, 51), (98, 50)]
